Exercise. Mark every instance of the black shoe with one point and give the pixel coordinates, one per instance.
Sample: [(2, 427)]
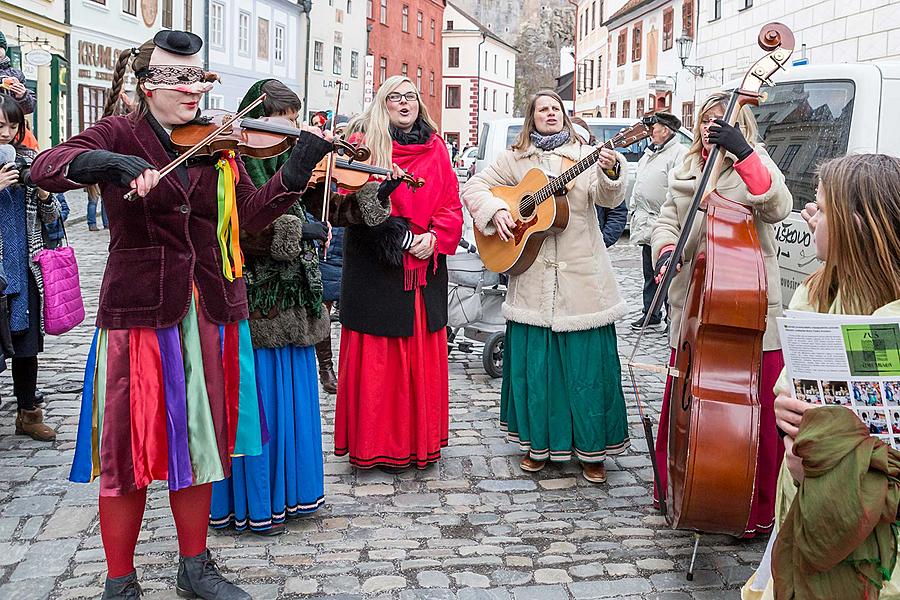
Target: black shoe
[(122, 588), (40, 399), (274, 530), (198, 577), (655, 325), (393, 469)]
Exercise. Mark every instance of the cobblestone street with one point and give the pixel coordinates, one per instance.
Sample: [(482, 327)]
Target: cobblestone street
[(473, 527)]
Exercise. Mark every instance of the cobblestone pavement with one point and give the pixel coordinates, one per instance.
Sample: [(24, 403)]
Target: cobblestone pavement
[(472, 527)]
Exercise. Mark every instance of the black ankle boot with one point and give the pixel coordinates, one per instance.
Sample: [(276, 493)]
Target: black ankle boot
[(198, 577), (122, 588)]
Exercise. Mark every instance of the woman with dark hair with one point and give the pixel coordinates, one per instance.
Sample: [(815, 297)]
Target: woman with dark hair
[(170, 387), (25, 212), (562, 389), (284, 292)]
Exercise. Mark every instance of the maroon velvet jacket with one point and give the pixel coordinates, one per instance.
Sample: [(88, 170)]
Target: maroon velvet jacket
[(162, 244)]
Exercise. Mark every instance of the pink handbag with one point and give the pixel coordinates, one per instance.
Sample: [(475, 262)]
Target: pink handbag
[(63, 305)]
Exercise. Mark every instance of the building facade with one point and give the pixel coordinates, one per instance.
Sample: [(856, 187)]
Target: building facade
[(337, 54), (591, 38), (479, 77), (826, 31), (644, 71), (36, 33), (405, 39), (251, 40), (101, 29)]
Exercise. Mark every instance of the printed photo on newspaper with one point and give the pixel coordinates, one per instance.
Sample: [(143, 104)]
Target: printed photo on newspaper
[(849, 361)]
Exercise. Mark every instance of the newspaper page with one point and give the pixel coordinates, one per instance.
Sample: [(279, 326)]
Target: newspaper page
[(849, 361)]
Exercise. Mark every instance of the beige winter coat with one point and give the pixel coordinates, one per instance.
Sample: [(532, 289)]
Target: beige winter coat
[(769, 208), (651, 184), (570, 286)]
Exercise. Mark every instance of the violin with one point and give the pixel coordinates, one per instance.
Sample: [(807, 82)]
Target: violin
[(351, 175)]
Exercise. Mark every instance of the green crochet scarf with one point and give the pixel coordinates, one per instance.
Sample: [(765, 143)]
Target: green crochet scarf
[(271, 282)]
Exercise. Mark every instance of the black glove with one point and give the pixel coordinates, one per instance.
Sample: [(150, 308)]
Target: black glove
[(307, 152), (96, 166), (315, 231), (730, 138), (387, 188), (663, 261)]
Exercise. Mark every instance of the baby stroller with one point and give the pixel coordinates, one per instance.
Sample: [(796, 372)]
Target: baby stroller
[(474, 302)]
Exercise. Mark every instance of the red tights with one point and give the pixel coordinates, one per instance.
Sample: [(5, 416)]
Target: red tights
[(120, 524)]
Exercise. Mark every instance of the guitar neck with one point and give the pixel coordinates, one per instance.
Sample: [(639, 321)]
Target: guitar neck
[(559, 183)]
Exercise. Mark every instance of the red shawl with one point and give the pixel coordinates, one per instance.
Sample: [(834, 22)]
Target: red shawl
[(434, 207)]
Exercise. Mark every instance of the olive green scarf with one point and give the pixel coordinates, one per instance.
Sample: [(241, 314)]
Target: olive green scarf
[(272, 282), (839, 539)]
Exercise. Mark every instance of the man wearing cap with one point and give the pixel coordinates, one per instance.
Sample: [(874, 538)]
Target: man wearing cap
[(12, 81), (650, 186)]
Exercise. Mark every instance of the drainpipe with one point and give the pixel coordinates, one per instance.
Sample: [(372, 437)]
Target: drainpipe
[(206, 43), (575, 58), (306, 8), (478, 90)]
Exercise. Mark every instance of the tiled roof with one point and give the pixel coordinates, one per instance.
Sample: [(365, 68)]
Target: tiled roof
[(629, 6)]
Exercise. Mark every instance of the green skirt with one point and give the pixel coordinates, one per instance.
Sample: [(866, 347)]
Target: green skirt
[(562, 393)]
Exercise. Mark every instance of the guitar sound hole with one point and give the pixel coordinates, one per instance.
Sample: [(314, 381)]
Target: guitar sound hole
[(526, 207)]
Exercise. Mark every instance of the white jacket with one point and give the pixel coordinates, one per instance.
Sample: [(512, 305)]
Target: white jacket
[(650, 186)]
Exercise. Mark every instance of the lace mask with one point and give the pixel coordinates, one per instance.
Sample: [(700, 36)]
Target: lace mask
[(187, 79)]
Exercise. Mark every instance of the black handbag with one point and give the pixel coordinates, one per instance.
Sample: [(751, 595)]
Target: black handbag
[(6, 343)]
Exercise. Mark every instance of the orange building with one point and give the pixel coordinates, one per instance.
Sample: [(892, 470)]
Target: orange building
[(405, 39)]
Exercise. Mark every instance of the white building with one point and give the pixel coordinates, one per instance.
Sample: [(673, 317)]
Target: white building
[(590, 48), (101, 29), (644, 71), (337, 52), (251, 40), (826, 31), (479, 74)]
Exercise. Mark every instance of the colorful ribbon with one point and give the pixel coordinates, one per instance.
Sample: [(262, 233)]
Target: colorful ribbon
[(227, 227)]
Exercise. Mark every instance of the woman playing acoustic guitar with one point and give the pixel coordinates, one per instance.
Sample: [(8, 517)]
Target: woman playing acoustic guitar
[(561, 392)]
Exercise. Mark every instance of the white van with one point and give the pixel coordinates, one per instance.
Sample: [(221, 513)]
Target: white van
[(812, 114)]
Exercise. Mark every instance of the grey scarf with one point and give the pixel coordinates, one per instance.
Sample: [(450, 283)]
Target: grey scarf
[(550, 142)]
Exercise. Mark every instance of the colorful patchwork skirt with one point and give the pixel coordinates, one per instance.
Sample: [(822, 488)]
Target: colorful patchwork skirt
[(288, 478), (172, 404)]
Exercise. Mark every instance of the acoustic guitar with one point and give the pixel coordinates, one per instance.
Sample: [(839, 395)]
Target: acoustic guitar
[(535, 218)]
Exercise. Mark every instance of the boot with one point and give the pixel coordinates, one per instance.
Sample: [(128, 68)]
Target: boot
[(31, 423), (326, 367), (594, 472), (122, 588), (198, 577), (530, 465)]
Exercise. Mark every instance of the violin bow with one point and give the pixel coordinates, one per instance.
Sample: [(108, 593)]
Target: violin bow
[(329, 168), (226, 123)]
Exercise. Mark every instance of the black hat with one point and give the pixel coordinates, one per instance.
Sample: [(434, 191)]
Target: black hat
[(184, 43), (668, 119)]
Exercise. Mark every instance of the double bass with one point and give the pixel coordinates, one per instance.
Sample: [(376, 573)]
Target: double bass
[(714, 410)]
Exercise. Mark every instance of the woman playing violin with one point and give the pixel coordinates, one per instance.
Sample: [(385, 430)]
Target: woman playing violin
[(749, 177), (562, 389), (393, 393), (170, 390), (287, 318)]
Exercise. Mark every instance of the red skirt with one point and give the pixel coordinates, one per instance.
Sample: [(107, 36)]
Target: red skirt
[(393, 396), (771, 448)]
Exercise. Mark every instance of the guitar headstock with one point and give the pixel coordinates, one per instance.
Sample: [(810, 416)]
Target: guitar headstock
[(629, 135)]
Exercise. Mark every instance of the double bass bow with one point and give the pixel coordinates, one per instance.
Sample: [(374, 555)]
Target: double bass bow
[(714, 402)]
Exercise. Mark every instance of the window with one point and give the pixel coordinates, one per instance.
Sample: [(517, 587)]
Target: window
[(495, 64), (599, 71), (507, 67), (217, 23), (90, 109), (349, 4), (748, 4), (338, 59), (262, 38), (167, 14), (784, 163), (354, 64), (431, 34), (449, 25), (370, 8), (338, 16), (612, 110), (103, 2), (620, 52), (668, 29), (215, 101), (382, 17), (687, 17), (318, 56), (404, 19), (593, 16), (687, 114), (129, 7), (420, 24), (626, 109), (484, 104), (279, 43), (636, 39), (453, 97), (419, 79), (244, 33), (382, 70), (404, 70), (452, 138), (639, 108), (453, 57), (485, 60), (716, 10), (506, 104), (431, 83), (188, 15), (494, 100)]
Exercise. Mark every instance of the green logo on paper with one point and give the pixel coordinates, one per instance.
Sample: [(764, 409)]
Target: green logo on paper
[(873, 350)]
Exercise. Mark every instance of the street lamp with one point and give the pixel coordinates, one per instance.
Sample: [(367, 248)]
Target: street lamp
[(685, 44)]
